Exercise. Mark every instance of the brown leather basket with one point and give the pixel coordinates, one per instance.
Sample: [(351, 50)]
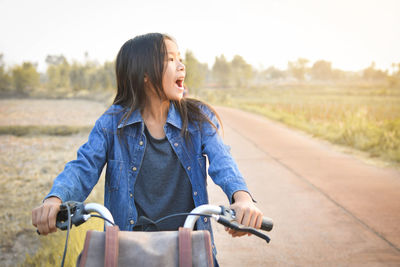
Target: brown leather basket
[(166, 248)]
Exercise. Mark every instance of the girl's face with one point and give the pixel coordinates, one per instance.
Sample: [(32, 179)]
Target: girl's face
[(174, 74)]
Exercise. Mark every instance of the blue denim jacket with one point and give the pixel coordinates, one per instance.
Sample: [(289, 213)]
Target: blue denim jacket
[(124, 156)]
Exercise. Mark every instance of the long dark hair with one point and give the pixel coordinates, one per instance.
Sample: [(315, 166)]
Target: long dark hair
[(145, 55)]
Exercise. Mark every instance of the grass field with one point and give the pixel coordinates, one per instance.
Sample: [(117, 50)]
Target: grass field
[(364, 117), (29, 162)]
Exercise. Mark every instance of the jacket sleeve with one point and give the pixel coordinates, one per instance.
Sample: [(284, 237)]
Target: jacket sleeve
[(81, 175), (222, 167)]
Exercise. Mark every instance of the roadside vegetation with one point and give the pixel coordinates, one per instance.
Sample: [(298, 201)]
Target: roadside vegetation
[(30, 159), (45, 117), (28, 166), (366, 117)]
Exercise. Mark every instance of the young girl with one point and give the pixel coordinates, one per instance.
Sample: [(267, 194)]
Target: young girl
[(154, 143)]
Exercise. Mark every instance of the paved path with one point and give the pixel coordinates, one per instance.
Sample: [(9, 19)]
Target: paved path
[(329, 208)]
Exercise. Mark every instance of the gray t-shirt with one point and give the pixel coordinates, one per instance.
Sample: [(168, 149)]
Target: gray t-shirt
[(162, 187)]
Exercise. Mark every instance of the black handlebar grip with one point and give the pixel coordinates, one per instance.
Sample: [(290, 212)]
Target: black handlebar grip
[(267, 224)]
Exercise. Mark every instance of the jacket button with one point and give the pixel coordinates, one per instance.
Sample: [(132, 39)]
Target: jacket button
[(141, 143), (131, 221), (176, 144), (131, 195), (195, 193), (189, 168), (134, 169), (205, 219)]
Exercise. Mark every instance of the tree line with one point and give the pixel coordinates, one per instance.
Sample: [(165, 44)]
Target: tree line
[(90, 76), (61, 75)]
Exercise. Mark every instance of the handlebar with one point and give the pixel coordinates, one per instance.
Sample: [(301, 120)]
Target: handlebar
[(226, 217), (76, 213), (80, 213), (229, 214)]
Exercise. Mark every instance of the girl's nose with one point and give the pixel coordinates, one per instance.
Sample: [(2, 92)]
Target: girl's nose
[(180, 66)]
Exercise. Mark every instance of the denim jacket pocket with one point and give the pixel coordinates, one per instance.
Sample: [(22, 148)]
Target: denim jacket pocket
[(114, 172)]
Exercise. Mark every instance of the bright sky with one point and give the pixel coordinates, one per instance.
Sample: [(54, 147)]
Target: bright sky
[(349, 33)]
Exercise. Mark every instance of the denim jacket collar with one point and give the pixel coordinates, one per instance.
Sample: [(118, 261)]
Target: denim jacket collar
[(173, 118), (135, 117)]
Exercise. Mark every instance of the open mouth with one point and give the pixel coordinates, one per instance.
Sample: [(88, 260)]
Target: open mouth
[(179, 82)]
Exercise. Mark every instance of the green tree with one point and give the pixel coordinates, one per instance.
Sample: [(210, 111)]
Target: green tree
[(83, 76), (91, 75), (222, 71), (57, 72), (338, 75), (5, 78), (77, 77), (321, 70), (195, 73), (298, 69), (242, 72), (373, 74), (273, 73), (25, 77), (107, 75), (90, 70), (394, 79)]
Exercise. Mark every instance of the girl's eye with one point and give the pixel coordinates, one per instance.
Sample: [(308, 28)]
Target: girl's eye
[(171, 59)]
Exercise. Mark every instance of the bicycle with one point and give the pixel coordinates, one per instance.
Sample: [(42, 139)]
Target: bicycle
[(76, 213)]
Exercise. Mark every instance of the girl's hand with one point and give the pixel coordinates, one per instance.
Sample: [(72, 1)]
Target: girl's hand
[(247, 213), (44, 216)]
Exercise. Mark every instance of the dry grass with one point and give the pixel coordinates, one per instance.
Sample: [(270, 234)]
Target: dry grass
[(363, 117), (28, 165), (31, 130), (27, 112)]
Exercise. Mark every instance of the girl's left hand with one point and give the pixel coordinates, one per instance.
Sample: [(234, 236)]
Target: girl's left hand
[(246, 211)]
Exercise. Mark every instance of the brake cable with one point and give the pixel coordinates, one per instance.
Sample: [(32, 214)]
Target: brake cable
[(66, 239), (219, 218)]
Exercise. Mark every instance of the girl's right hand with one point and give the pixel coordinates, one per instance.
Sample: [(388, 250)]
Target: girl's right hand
[(44, 216)]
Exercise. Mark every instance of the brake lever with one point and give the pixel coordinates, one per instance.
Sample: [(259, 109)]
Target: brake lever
[(227, 218), (235, 226), (228, 214), (266, 225), (77, 214)]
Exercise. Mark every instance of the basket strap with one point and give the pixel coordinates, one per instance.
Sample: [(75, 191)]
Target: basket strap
[(84, 254), (111, 247), (185, 247)]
